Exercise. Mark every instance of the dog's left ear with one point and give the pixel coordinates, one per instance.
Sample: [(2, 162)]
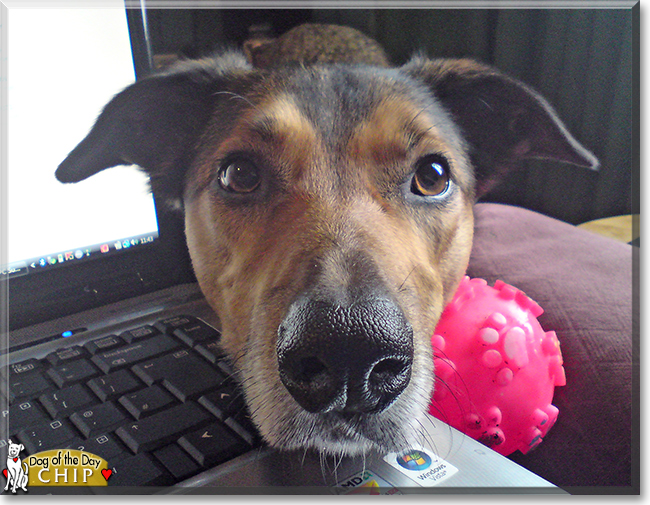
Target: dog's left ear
[(502, 119)]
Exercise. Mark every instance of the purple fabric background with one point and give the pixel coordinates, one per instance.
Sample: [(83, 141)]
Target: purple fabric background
[(584, 284)]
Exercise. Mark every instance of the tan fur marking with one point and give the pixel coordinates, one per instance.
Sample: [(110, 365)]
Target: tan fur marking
[(282, 124), (394, 128), (276, 130)]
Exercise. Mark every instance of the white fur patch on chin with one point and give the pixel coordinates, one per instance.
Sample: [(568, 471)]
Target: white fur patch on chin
[(390, 431)]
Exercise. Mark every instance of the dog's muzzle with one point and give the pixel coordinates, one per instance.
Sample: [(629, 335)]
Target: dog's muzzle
[(351, 358)]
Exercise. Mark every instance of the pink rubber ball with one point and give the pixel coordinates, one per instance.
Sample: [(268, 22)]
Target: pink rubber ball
[(496, 368)]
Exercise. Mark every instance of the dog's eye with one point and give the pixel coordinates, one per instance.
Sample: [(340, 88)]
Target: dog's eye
[(240, 176), (431, 176)]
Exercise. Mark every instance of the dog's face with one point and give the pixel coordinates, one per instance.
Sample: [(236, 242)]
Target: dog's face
[(13, 450), (333, 195), (328, 217)]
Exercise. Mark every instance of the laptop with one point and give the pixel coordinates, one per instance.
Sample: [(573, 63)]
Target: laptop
[(108, 344)]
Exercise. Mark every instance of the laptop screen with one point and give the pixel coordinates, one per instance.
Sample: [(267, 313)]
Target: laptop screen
[(63, 66), (74, 247)]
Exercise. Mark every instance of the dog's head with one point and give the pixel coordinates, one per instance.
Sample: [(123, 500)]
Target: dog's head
[(13, 450), (329, 219)]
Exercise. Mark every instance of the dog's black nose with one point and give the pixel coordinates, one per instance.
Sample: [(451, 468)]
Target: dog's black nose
[(355, 358)]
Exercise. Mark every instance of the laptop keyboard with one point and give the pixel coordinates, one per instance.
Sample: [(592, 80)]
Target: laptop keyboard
[(157, 402)]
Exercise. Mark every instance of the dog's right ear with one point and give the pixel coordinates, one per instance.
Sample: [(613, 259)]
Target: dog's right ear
[(155, 124)]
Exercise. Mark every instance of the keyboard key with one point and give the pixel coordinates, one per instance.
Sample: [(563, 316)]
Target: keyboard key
[(139, 470), (196, 332), (177, 462), (72, 372), (68, 354), (225, 402), (244, 427), (103, 344), (112, 386), (19, 369), (139, 333), (211, 350), (128, 355), (213, 444), (228, 405), (27, 386), (97, 419), (183, 373), (74, 443), (64, 402), (46, 435), (146, 402), (24, 415), (170, 324), (225, 366), (105, 446), (162, 428)]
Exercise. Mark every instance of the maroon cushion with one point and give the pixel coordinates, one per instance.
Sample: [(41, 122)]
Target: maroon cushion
[(583, 282)]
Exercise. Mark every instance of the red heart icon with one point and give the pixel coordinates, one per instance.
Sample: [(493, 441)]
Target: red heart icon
[(4, 472), (107, 472), (15, 459)]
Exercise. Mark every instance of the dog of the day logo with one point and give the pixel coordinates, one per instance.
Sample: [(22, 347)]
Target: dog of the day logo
[(58, 467)]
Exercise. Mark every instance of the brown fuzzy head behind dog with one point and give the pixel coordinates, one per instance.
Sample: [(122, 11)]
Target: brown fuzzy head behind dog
[(314, 43), (329, 219)]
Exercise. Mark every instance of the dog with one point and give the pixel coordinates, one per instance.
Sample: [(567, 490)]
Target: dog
[(17, 476), (328, 215)]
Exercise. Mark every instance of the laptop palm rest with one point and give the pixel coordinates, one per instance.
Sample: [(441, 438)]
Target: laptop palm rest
[(447, 461)]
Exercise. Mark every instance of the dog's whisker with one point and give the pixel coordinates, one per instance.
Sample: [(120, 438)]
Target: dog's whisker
[(401, 286), (323, 462), (234, 96), (425, 436), (440, 414), (486, 103)]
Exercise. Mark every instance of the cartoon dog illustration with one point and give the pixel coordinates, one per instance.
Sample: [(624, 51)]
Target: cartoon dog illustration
[(17, 476)]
